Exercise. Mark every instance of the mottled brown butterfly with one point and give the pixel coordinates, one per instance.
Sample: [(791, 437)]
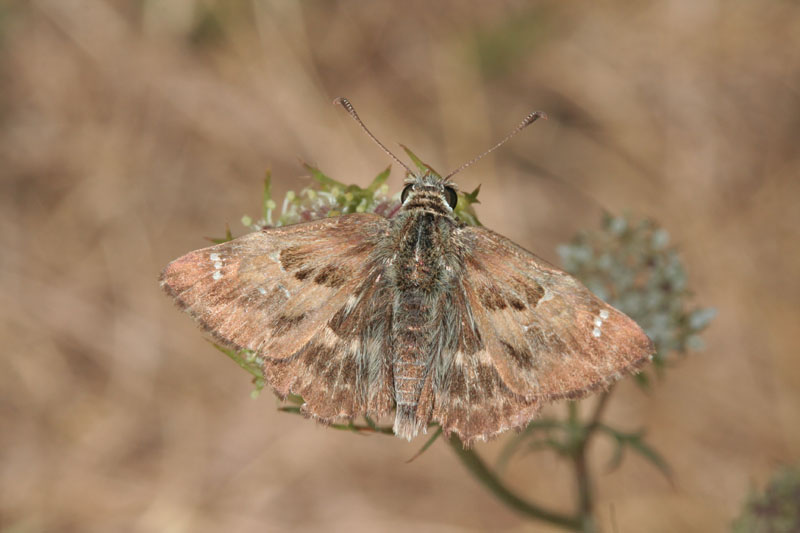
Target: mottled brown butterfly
[(420, 313)]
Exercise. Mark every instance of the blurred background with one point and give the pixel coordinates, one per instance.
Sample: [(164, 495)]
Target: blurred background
[(130, 130)]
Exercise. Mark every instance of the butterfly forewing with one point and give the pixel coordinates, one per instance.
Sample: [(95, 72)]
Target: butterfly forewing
[(547, 334), (289, 294)]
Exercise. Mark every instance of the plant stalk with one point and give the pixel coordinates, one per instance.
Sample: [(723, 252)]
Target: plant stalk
[(583, 478), (478, 468)]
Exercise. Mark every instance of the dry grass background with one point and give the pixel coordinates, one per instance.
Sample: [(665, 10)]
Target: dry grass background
[(129, 130)]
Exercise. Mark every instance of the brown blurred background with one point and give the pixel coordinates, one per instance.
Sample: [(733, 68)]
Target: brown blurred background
[(129, 130)]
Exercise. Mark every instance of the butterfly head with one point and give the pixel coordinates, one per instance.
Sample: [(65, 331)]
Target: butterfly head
[(427, 190)]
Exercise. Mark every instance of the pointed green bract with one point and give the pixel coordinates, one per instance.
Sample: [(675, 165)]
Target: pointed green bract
[(247, 360), (421, 166), (379, 180), (464, 209)]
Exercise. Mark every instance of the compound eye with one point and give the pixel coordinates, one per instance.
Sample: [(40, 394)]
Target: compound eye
[(451, 196), (403, 195)]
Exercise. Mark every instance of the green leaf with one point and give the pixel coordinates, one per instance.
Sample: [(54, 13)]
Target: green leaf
[(379, 180), (322, 179)]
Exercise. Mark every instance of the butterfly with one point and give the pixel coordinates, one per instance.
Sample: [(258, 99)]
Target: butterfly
[(439, 321)]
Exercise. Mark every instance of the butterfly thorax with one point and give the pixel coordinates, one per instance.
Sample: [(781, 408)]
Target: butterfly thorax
[(423, 268)]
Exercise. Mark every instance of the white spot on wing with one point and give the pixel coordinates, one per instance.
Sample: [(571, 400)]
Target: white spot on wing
[(598, 322), (262, 290), (214, 257), (548, 295), (218, 265), (217, 275)]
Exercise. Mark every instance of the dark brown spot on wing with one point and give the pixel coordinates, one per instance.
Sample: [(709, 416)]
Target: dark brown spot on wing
[(516, 303), (533, 292), (285, 323), (522, 358), (331, 277), (304, 273), (317, 356), (292, 257), (492, 299)]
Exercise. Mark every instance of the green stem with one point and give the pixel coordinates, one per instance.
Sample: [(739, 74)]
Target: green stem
[(478, 468), (583, 477)]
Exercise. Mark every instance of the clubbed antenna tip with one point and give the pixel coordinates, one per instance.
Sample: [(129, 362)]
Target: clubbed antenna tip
[(345, 103)]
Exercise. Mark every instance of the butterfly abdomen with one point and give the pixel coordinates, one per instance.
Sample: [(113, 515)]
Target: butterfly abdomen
[(411, 336)]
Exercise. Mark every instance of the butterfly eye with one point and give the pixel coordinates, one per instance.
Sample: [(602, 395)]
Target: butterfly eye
[(452, 197), (405, 192)]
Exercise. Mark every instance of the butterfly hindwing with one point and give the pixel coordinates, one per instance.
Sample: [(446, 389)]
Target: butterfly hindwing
[(287, 294), (344, 370)]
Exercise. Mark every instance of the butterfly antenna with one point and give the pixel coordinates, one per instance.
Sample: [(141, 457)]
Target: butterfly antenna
[(345, 103), (530, 119)]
